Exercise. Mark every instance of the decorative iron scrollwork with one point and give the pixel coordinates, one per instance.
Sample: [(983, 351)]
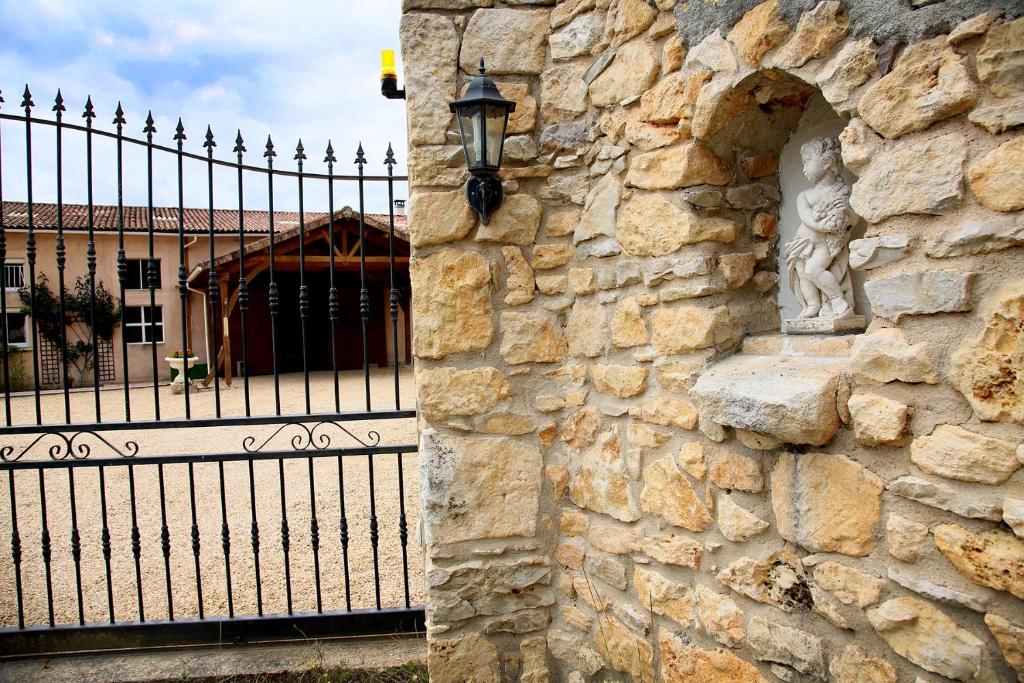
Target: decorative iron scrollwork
[(70, 446), (313, 436)]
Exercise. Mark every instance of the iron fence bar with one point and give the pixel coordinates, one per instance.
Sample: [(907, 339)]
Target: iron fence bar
[(332, 294), (151, 272), (30, 254), (207, 457), (269, 154), (3, 299), (196, 547), (179, 139), (403, 528), (200, 157), (189, 631), (105, 543), (314, 536), (90, 253), (59, 108), (16, 549), (178, 423), (122, 264), (300, 156), (214, 285), (225, 539), (284, 535), (44, 542), (243, 286), (76, 546), (364, 293), (165, 541), (374, 534), (389, 160), (136, 542), (343, 531), (254, 535)]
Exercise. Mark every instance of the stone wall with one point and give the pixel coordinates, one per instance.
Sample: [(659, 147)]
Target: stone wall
[(626, 470)]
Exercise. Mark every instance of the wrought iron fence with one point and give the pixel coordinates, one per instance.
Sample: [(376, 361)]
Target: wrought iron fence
[(122, 503)]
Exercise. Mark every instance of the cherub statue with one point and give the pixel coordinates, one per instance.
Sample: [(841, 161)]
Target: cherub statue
[(817, 255)]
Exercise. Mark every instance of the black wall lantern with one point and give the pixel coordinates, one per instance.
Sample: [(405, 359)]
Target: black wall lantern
[(482, 114)]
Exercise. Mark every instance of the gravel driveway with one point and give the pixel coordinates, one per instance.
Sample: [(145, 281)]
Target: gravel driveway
[(207, 494)]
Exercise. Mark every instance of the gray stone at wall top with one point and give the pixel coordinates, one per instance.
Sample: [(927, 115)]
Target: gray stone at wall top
[(881, 19)]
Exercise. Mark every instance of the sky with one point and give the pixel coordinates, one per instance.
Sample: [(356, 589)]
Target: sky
[(293, 69)]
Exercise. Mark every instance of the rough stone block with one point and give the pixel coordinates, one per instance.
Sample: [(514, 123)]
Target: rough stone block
[(997, 179), (448, 392), (920, 293), (451, 290), (530, 338), (683, 329), (790, 398), (922, 176), (476, 488), (430, 47), (826, 503), (956, 453), (989, 558), (668, 493), (684, 662), (928, 638), (487, 35), (986, 370), (930, 82)]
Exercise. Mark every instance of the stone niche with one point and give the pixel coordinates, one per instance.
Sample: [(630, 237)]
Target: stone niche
[(818, 120), (782, 389)]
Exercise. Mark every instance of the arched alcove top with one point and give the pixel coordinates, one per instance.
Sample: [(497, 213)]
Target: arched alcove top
[(760, 122)]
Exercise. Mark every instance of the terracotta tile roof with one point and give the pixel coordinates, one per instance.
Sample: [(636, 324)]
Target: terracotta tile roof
[(165, 218)]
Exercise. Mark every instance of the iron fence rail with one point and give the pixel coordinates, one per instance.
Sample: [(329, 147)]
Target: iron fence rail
[(58, 451)]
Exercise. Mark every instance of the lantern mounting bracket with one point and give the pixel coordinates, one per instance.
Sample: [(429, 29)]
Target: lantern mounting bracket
[(484, 195)]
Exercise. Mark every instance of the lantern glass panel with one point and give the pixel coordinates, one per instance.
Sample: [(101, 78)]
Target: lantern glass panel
[(497, 117), (471, 127)]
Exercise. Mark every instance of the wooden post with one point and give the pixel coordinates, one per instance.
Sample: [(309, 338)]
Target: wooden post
[(222, 283)]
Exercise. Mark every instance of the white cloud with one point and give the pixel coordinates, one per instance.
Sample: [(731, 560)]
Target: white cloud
[(290, 69)]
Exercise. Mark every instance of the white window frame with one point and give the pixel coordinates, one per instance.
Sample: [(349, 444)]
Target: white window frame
[(28, 334), (143, 264), (145, 326), (11, 263)]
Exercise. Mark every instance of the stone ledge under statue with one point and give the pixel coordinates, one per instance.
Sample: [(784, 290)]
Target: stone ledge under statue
[(818, 256)]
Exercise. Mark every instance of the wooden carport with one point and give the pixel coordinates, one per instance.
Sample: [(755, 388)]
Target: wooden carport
[(314, 266)]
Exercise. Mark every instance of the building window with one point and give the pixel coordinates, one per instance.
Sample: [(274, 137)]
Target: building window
[(14, 275), (143, 324), (137, 278), (17, 334)]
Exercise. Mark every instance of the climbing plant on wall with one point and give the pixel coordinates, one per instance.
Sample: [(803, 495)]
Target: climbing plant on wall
[(73, 336)]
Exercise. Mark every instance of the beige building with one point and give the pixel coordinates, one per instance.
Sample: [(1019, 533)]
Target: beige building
[(164, 323)]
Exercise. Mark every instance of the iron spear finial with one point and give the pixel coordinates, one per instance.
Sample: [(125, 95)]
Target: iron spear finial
[(26, 101), (179, 132), (483, 69), (330, 158), (239, 144), (119, 115), (150, 125), (90, 112), (360, 156), (209, 144), (300, 152), (270, 153), (389, 159), (58, 103)]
